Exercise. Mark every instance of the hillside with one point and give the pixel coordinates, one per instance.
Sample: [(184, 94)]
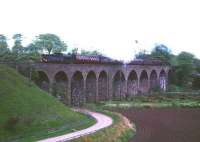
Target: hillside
[(28, 113)]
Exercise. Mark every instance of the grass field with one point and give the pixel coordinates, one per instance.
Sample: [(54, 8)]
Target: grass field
[(28, 113), (162, 100)]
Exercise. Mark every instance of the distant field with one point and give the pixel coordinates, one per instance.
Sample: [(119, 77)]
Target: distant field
[(28, 113), (163, 117)]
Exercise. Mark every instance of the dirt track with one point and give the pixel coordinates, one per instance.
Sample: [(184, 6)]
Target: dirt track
[(165, 125)]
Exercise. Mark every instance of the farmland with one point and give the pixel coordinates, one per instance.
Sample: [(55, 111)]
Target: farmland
[(164, 124)]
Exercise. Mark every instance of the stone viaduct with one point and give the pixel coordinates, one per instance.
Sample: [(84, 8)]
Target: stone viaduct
[(100, 82)]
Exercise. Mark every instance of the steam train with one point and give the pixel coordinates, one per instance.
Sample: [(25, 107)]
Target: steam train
[(77, 59), (154, 62), (60, 58)]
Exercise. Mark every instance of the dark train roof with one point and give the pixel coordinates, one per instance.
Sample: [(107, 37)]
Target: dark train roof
[(95, 59), (147, 62), (78, 59)]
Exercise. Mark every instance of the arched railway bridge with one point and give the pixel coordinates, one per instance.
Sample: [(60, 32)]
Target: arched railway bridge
[(93, 81)]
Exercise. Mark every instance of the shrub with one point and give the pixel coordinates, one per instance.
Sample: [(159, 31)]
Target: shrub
[(156, 89), (86, 139), (174, 88), (27, 121), (11, 123), (60, 92)]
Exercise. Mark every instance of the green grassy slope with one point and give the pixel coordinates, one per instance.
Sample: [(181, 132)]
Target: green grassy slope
[(28, 113)]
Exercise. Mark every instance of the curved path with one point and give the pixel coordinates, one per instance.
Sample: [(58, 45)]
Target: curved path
[(102, 121)]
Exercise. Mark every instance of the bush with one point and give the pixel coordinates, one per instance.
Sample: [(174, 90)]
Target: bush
[(11, 123), (60, 92), (27, 121), (156, 89), (86, 139), (174, 88)]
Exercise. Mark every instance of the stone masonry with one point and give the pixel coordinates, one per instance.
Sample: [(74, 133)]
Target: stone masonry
[(100, 82)]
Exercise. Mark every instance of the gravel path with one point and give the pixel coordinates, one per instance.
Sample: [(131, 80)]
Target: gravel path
[(102, 121)]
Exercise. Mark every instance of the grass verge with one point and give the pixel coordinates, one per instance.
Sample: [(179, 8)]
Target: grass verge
[(158, 101), (120, 131), (29, 114)]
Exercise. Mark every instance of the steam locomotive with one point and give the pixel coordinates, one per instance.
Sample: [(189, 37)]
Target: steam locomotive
[(77, 59)]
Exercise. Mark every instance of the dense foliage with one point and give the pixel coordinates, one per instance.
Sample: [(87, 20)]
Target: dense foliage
[(185, 71), (44, 43), (94, 52), (50, 43)]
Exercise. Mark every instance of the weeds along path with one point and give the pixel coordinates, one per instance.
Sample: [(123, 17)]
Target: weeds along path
[(102, 121)]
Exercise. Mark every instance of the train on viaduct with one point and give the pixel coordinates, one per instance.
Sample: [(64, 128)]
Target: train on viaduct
[(99, 78)]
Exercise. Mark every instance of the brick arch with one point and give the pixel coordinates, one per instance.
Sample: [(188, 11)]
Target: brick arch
[(144, 87), (60, 76), (77, 89), (100, 71), (91, 87), (153, 79), (60, 87), (163, 80), (118, 83), (43, 80), (170, 76), (162, 73), (91, 71), (46, 73), (132, 83), (103, 86), (113, 73)]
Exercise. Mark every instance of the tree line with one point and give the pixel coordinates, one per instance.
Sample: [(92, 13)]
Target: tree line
[(185, 66), (44, 43), (185, 74)]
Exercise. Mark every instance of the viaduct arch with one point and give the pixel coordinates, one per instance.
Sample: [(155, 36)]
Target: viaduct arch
[(100, 82), (60, 86), (132, 83)]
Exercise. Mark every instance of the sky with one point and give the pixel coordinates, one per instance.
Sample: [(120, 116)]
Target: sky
[(109, 26)]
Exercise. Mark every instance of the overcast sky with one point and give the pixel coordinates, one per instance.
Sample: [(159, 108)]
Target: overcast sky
[(110, 26)]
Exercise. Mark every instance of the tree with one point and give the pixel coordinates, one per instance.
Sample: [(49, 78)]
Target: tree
[(185, 68), (142, 55), (196, 81), (17, 48), (197, 65), (3, 41), (50, 43), (32, 48), (94, 52), (75, 51), (196, 75), (161, 52), (4, 50), (33, 51)]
